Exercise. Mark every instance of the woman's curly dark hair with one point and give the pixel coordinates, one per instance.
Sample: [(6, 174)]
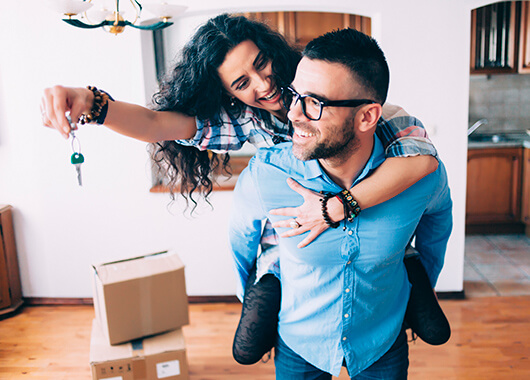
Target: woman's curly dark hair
[(194, 88)]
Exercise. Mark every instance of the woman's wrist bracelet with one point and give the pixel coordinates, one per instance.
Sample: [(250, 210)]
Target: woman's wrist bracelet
[(351, 206), (325, 215), (99, 109)]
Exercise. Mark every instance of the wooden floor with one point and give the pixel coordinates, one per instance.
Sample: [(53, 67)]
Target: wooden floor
[(491, 340)]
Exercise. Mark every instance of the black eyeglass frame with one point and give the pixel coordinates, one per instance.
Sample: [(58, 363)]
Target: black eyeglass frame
[(323, 103)]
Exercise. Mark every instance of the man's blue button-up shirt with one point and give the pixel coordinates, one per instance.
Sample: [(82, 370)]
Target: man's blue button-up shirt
[(343, 296)]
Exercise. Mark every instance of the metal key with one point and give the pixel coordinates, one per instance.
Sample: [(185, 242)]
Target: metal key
[(77, 159)]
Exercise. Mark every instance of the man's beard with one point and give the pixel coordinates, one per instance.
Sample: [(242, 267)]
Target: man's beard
[(345, 144)]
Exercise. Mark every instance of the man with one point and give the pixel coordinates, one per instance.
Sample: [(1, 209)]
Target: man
[(344, 296)]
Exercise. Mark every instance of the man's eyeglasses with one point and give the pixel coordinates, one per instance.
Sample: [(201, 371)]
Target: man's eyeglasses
[(312, 106)]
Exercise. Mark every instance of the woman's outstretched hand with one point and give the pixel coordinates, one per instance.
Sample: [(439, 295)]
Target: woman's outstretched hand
[(308, 216), (57, 100)]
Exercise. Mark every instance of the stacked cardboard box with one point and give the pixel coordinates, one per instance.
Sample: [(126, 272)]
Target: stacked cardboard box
[(141, 305)]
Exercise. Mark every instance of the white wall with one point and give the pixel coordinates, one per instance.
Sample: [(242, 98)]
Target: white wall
[(61, 229)]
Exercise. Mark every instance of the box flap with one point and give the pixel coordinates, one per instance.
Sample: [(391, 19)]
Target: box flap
[(171, 341), (102, 351), (138, 267)]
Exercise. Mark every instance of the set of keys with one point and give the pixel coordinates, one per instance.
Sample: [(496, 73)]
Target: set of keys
[(77, 158)]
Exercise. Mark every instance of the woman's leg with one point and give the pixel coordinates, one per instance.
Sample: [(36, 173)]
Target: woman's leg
[(424, 315), (257, 330)]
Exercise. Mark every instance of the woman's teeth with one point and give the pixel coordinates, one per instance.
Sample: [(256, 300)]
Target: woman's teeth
[(272, 95)]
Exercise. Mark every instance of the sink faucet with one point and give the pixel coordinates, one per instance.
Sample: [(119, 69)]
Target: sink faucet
[(475, 126)]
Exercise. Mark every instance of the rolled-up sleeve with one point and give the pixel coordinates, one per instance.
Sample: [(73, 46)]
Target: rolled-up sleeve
[(220, 134), (403, 135)]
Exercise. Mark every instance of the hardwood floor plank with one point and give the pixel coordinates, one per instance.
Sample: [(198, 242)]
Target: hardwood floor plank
[(490, 340)]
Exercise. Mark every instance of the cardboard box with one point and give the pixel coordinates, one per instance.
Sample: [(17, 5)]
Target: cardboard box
[(141, 296), (158, 357)]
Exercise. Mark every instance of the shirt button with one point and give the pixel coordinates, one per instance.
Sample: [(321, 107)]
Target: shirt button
[(350, 232), (349, 262), (346, 315), (344, 338), (347, 290)]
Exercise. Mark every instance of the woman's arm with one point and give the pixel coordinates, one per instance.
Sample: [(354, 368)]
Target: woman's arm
[(127, 119), (394, 176)]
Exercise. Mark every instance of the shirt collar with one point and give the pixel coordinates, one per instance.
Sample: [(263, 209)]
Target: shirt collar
[(314, 170)]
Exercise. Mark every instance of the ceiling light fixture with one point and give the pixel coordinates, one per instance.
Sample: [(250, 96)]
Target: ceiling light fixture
[(111, 19)]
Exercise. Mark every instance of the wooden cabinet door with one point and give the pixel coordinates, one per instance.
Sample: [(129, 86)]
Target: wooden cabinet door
[(494, 185), (5, 300), (493, 38), (301, 27), (524, 38), (10, 288), (309, 25)]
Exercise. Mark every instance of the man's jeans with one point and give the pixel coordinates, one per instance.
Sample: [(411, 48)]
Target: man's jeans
[(391, 366)]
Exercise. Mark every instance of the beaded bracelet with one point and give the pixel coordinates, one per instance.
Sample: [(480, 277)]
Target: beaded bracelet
[(325, 215), (347, 213), (99, 109), (351, 206)]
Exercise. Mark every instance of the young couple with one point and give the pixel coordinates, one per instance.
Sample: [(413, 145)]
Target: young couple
[(226, 90)]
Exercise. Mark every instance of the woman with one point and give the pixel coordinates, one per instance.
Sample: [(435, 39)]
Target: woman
[(214, 102)]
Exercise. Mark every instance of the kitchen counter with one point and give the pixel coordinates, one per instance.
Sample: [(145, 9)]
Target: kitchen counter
[(501, 140)]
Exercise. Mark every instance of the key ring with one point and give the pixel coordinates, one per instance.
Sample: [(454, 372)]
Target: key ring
[(73, 128), (74, 140)]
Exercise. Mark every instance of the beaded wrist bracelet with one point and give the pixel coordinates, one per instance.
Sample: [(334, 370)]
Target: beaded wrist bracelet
[(351, 207), (99, 109), (325, 215)]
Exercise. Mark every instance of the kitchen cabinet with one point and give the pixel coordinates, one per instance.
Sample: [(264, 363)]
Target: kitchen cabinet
[(10, 289), (493, 185), (524, 38), (493, 38), (301, 27), (494, 190), (500, 38)]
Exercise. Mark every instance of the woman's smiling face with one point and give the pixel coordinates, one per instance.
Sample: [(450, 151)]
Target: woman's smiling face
[(246, 73)]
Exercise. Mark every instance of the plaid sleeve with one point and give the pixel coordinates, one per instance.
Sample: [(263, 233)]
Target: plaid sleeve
[(225, 132), (219, 134), (403, 135)]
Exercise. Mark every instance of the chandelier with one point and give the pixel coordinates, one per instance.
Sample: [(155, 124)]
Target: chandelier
[(109, 16)]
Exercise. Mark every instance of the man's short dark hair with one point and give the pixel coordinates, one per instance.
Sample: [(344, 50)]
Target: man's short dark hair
[(360, 53)]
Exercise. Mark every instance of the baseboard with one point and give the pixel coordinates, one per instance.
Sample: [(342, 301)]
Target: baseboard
[(51, 301), (451, 295), (213, 299), (495, 229)]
